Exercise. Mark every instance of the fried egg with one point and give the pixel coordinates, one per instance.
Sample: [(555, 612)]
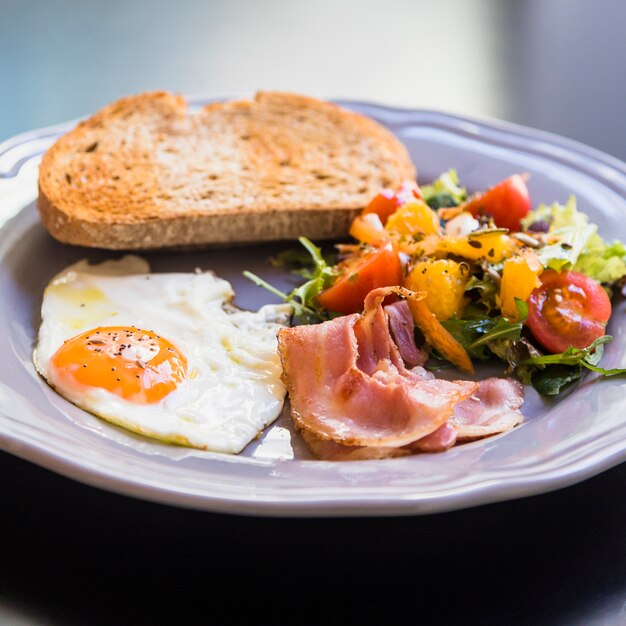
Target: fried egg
[(164, 355)]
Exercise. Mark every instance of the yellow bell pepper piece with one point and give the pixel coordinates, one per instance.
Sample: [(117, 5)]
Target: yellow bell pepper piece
[(444, 281), (412, 218), (494, 246), (520, 276)]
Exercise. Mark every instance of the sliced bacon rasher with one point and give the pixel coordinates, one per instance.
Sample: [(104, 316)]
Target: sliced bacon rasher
[(403, 333), (348, 384), (493, 409)]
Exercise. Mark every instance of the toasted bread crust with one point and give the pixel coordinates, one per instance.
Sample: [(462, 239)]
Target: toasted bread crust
[(142, 173)]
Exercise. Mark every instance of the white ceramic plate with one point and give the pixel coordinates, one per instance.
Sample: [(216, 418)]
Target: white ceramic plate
[(560, 443)]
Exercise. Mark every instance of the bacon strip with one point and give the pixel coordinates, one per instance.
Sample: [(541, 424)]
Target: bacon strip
[(403, 332), (348, 383), (493, 409), (438, 441), (442, 439), (332, 451)]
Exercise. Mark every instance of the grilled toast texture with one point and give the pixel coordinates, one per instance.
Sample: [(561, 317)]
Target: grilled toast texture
[(145, 173)]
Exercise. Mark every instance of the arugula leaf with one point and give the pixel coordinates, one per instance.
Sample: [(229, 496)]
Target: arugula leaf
[(468, 331), (571, 356), (477, 335), (550, 374), (616, 371), (513, 352), (299, 261), (302, 298), (554, 379), (300, 310), (587, 357), (502, 329)]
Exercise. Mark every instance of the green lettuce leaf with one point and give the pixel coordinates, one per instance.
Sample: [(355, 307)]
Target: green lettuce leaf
[(573, 229), (445, 191), (580, 247), (604, 262)]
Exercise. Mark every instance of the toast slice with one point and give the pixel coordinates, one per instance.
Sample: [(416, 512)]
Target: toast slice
[(143, 173)]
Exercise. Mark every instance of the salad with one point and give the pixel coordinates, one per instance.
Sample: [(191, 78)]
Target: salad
[(501, 280)]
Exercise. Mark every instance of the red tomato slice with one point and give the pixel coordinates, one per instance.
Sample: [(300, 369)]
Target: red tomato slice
[(507, 202), (569, 309), (387, 201), (378, 268)]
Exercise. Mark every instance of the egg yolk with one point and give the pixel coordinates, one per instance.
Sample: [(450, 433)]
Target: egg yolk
[(137, 365)]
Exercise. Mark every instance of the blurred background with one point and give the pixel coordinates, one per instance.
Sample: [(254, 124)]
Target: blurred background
[(558, 65)]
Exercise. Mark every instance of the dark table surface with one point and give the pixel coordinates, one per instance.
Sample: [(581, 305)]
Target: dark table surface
[(73, 554)]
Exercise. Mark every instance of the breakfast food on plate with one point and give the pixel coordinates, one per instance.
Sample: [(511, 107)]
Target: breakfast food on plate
[(143, 173), (162, 354), (475, 278), (433, 277), (352, 396)]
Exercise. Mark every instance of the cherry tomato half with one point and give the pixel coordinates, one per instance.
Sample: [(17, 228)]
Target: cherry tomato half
[(380, 267), (568, 309), (388, 200), (507, 202)]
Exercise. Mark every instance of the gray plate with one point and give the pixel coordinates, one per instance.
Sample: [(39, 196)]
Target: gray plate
[(560, 443)]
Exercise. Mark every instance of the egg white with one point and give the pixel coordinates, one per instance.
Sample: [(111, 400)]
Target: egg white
[(233, 390)]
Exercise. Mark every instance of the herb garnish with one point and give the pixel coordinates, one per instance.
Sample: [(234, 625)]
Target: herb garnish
[(302, 298)]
